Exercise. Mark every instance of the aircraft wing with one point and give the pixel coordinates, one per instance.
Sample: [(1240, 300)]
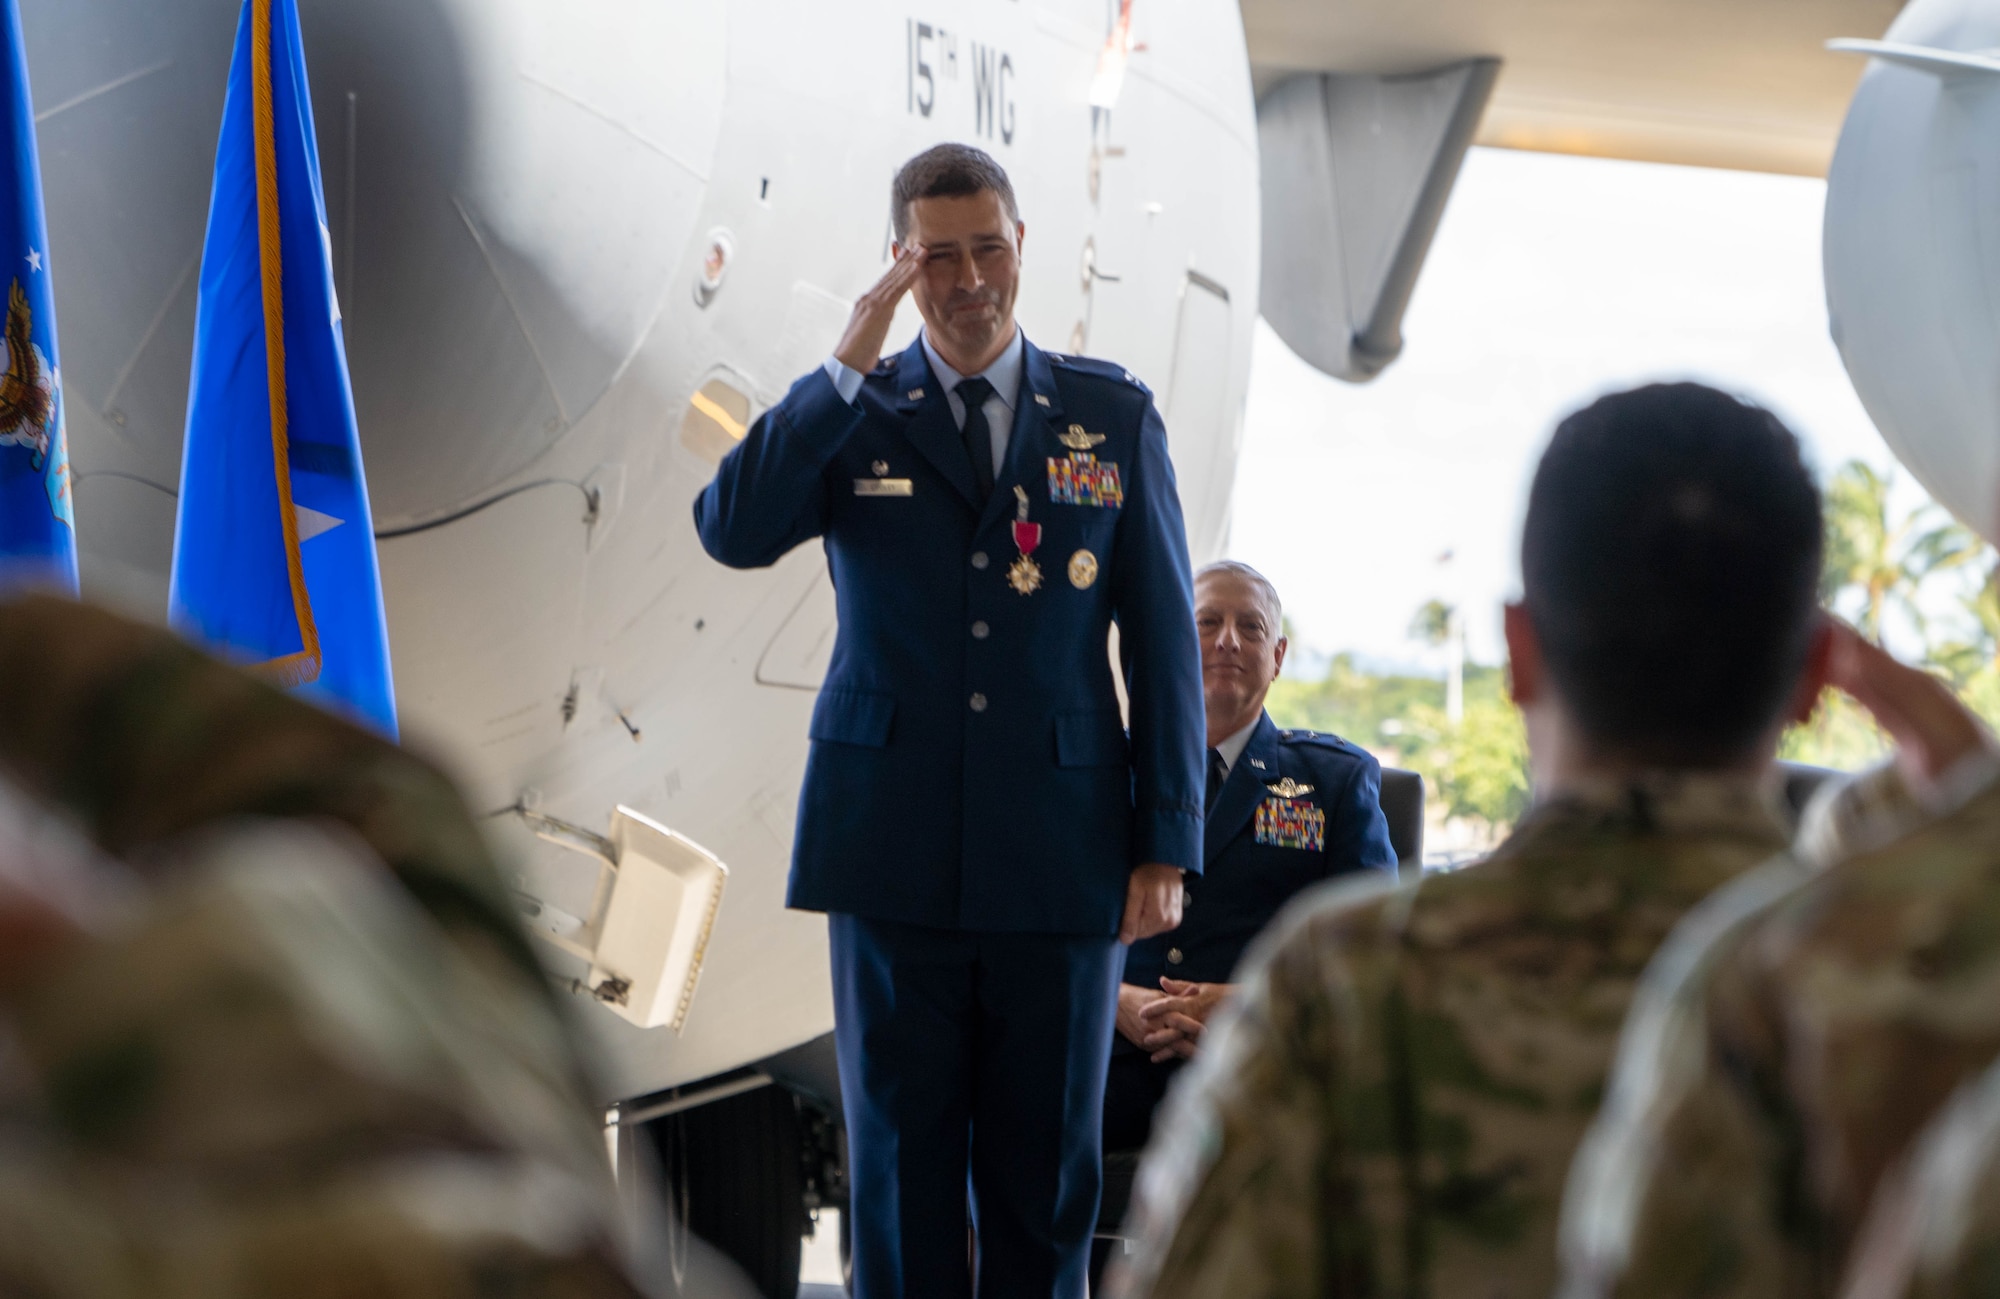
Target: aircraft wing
[(1746, 84)]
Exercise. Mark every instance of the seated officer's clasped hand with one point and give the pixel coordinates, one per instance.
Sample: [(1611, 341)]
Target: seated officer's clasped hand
[(1169, 1023)]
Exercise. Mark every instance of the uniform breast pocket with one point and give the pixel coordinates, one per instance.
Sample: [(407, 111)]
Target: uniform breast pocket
[(1081, 546), (1091, 738), (863, 717)]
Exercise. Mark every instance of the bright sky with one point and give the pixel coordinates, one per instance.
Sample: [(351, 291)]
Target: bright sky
[(1552, 280)]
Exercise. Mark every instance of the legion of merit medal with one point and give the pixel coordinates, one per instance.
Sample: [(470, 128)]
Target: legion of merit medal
[(1025, 575)]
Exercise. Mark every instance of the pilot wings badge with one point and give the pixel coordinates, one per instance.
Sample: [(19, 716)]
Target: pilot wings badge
[(1289, 788), (1077, 440)]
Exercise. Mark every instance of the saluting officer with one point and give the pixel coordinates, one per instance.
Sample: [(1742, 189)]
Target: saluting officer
[(975, 820), (1286, 809)]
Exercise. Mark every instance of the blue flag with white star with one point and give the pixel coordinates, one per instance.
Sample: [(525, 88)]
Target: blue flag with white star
[(37, 524), (274, 543)]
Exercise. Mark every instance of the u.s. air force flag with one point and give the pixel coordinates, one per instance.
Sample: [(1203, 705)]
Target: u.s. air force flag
[(274, 546), (37, 526)]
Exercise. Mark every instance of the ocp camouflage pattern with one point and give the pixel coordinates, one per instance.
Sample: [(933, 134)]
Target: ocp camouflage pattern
[(1788, 1047), (1391, 1104), (289, 1070)]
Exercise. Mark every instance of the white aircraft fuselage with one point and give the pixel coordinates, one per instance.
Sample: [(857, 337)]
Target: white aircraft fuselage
[(579, 246)]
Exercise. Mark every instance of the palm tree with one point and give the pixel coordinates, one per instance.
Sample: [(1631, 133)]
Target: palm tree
[(1438, 623), (1881, 559), (1963, 659)]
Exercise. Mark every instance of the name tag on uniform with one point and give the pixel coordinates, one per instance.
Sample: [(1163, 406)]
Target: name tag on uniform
[(882, 487)]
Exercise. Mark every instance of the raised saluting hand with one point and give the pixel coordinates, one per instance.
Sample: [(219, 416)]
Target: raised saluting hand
[(868, 328)]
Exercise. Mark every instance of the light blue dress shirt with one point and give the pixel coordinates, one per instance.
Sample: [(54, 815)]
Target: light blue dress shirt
[(1004, 374)]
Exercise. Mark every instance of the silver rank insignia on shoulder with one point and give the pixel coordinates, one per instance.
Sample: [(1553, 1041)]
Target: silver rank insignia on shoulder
[(1078, 440), (1289, 788)]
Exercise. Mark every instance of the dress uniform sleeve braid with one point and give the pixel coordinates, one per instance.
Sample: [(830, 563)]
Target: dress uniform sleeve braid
[(1153, 600), (769, 493)]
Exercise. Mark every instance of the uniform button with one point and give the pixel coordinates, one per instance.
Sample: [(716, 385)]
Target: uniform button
[(979, 559), (978, 702), (1173, 956), (980, 630)]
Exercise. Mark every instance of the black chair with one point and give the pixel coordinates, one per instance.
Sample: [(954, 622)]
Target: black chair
[(1801, 783), (1403, 807)]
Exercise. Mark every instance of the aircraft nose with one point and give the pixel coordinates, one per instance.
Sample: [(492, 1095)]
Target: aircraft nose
[(509, 193)]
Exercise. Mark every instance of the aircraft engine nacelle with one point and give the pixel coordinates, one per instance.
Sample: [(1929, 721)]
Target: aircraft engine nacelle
[(1913, 248)]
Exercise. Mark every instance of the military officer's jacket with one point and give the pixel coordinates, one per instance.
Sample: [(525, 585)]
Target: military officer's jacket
[(969, 766), (1390, 1102), (1787, 1049), (1298, 807)]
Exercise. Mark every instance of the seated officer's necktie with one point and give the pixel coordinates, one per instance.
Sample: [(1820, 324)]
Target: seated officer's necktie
[(1217, 773), (978, 437)]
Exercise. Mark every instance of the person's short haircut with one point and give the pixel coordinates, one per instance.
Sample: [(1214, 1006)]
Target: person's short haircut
[(1238, 569), (947, 171), (1670, 565)]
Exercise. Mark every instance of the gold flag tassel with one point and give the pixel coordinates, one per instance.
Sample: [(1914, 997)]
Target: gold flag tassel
[(302, 667)]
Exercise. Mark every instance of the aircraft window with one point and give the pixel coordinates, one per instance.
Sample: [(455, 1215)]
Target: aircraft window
[(717, 418)]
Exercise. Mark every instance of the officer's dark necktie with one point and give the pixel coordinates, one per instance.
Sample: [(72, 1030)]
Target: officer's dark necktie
[(978, 437), (1217, 773)]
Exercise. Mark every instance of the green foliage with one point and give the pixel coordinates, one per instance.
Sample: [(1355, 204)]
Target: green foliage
[(1839, 735), (1363, 707), (1878, 564), (1477, 769), (1874, 562), (1432, 625)]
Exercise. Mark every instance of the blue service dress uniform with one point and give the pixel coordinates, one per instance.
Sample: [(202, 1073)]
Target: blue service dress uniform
[(973, 805), (1297, 808)]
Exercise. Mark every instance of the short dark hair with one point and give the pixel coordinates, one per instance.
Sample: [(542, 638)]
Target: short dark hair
[(1670, 565), (947, 171)]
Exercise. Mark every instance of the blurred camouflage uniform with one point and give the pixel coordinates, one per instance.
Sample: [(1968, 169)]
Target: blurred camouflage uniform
[(1787, 1047), (1933, 1227), (1391, 1103), (275, 1069), (139, 738)]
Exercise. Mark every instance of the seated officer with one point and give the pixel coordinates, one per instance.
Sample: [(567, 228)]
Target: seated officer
[(1286, 809)]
